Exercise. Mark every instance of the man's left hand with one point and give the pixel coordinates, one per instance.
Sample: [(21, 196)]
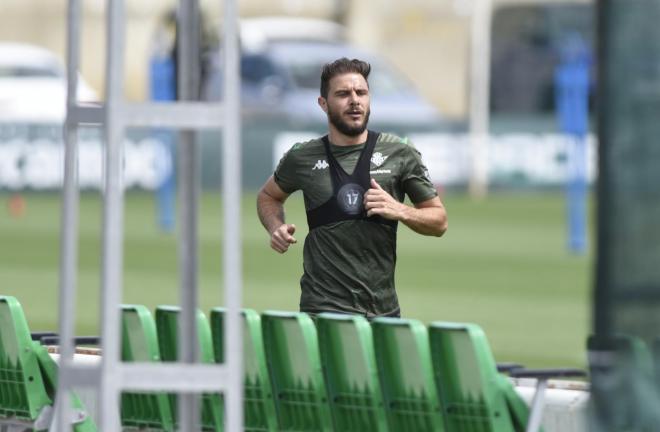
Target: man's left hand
[(378, 202)]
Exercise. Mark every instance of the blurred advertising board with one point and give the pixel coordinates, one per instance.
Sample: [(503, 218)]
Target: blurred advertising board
[(514, 159), (31, 156)]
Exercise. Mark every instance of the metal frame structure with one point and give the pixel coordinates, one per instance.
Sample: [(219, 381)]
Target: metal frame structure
[(115, 115)]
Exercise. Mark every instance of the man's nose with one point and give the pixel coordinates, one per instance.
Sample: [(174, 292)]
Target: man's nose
[(354, 98)]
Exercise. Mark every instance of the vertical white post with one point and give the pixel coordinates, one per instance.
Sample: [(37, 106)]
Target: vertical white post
[(69, 222), (231, 182), (480, 95), (187, 67), (113, 219)]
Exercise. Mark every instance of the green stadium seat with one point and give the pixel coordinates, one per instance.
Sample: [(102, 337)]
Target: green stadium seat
[(167, 324), (49, 371), (655, 358), (623, 382), (474, 396), (140, 344), (351, 376), (259, 408), (406, 375), (28, 376), (292, 355)]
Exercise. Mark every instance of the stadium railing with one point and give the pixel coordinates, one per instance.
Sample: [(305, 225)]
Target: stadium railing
[(28, 377)]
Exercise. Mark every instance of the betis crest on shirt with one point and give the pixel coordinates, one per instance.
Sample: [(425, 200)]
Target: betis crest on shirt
[(378, 159)]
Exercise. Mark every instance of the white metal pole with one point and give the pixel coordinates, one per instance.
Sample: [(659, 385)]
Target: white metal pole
[(536, 410), (480, 95), (69, 222), (231, 169), (113, 218), (188, 89)]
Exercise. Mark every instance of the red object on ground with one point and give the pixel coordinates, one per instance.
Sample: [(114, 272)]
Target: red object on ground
[(16, 206)]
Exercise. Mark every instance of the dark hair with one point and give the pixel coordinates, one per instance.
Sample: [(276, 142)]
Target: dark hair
[(342, 66)]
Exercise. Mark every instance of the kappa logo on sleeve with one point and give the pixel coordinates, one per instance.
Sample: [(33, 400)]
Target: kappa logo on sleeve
[(320, 165)]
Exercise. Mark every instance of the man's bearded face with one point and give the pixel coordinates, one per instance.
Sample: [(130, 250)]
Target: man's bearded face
[(348, 104)]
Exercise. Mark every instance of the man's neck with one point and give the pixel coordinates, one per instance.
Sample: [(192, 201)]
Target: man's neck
[(340, 139)]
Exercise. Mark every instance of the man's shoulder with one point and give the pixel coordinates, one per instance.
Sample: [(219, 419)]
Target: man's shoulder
[(394, 143), (308, 145), (390, 139), (302, 151)]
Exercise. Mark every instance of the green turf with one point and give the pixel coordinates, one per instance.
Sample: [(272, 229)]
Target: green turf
[(503, 264)]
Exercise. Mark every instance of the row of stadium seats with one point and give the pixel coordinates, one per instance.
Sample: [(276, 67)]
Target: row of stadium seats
[(338, 373), (341, 373)]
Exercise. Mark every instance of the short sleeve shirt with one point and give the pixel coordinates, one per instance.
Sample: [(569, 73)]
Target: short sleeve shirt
[(349, 265)]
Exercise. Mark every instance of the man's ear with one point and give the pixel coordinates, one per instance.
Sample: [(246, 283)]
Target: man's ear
[(323, 104)]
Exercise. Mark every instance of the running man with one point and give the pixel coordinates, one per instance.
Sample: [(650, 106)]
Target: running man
[(354, 181)]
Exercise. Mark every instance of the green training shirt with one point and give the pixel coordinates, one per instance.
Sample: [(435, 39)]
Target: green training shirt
[(349, 265)]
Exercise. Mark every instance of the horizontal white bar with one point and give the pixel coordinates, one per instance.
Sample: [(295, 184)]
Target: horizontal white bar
[(86, 113), (80, 375), (193, 378), (178, 115)]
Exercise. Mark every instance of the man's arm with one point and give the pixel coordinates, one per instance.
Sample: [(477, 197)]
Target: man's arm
[(427, 217), (270, 207)]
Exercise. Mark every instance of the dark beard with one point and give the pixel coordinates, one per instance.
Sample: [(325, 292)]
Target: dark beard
[(345, 128)]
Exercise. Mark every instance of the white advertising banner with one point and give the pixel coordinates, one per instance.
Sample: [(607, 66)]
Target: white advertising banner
[(513, 159), (38, 163)]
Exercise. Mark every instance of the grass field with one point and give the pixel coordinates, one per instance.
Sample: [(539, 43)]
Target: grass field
[(502, 264)]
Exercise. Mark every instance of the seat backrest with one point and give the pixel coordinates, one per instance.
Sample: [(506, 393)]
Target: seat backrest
[(259, 408), (406, 375), (622, 382), (48, 367), (22, 391), (167, 325), (351, 376), (292, 355), (28, 375), (473, 394), (655, 358), (140, 344)]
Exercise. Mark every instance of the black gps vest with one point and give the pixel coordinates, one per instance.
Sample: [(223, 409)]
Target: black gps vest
[(346, 202)]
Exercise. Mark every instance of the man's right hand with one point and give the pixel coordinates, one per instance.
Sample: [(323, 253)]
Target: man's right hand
[(282, 237)]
